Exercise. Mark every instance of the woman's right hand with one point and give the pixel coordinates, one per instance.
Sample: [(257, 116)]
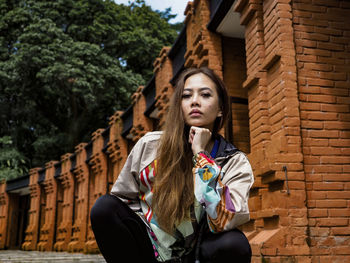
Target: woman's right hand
[(199, 139)]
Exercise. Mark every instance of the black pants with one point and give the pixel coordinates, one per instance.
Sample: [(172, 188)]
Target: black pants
[(122, 237)]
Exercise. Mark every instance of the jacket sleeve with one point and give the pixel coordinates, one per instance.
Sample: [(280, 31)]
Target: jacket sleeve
[(126, 187), (223, 194)]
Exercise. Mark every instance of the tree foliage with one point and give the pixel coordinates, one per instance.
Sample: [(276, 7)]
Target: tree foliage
[(66, 66), (12, 162)]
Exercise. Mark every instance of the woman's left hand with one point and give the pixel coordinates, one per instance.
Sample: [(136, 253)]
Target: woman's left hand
[(199, 138)]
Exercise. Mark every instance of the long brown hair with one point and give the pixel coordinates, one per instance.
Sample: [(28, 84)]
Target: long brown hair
[(173, 186)]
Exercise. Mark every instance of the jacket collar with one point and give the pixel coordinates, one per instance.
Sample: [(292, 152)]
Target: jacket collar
[(225, 148)]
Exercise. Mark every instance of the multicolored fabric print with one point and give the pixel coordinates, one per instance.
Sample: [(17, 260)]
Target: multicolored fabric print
[(146, 188), (165, 246), (211, 193)]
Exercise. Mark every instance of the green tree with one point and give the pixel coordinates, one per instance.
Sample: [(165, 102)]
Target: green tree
[(12, 162), (144, 34), (66, 66)]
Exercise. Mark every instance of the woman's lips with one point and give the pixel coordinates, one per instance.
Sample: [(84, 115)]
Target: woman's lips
[(195, 113)]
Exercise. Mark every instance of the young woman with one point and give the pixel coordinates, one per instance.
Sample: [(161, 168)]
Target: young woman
[(182, 192)]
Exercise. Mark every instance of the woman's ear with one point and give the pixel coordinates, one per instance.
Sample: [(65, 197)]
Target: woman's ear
[(219, 114)]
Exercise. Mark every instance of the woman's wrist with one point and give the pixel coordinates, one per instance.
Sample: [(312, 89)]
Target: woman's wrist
[(197, 150), (195, 156)]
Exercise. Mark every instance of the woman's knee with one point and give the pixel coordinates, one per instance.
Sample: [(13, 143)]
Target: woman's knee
[(226, 245), (236, 242), (102, 209)]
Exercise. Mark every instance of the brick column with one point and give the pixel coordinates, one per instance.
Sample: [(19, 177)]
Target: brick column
[(64, 226), (117, 146), (47, 231), (81, 200), (4, 207), (203, 47), (259, 130), (97, 183), (279, 213), (141, 124), (163, 71), (31, 234)]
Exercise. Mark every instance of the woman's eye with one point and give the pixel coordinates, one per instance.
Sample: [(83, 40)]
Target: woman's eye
[(206, 95), (186, 96)]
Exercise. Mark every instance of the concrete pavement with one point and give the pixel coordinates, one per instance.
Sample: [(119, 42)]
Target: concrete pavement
[(19, 256)]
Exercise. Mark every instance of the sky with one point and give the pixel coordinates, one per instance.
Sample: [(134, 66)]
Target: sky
[(177, 7)]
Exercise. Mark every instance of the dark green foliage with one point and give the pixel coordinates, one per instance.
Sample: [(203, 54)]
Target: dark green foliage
[(66, 66), (12, 162)]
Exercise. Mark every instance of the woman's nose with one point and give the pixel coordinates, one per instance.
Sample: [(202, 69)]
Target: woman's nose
[(195, 100)]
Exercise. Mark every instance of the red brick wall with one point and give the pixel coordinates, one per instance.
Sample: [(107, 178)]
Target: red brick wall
[(322, 37)]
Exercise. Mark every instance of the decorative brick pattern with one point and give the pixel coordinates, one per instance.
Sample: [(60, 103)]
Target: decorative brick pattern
[(117, 148), (65, 205), (31, 236), (97, 182), (141, 124), (81, 200), (163, 74), (203, 46), (48, 226)]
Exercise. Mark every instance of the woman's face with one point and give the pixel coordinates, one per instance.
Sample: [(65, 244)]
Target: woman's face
[(200, 102)]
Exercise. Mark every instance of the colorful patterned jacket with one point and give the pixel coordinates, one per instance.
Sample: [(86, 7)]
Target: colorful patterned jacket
[(221, 187)]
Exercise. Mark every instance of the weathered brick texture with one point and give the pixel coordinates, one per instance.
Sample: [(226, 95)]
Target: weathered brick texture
[(278, 227), (31, 237), (117, 148), (322, 40), (81, 201), (141, 124), (48, 218), (65, 204), (163, 74), (203, 46), (98, 182)]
